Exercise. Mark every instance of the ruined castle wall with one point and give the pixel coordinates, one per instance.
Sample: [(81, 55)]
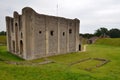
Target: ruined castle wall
[(14, 33), (9, 27), (72, 35), (52, 25), (63, 35), (78, 43), (21, 37), (40, 36), (27, 30), (49, 35), (32, 35)]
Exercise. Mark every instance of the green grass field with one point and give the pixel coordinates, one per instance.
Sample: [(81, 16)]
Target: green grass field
[(61, 70), (109, 41)]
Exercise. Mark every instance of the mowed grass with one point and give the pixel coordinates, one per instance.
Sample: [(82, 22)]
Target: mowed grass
[(61, 70), (109, 41), (6, 56)]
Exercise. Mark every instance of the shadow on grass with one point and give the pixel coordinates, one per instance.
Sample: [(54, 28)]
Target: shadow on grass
[(7, 56)]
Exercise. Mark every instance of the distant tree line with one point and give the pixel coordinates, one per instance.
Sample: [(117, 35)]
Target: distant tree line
[(112, 33), (87, 35), (3, 33)]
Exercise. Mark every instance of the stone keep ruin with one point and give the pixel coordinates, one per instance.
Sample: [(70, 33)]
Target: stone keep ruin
[(32, 35)]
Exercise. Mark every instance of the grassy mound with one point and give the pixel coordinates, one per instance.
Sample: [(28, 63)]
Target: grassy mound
[(109, 41)]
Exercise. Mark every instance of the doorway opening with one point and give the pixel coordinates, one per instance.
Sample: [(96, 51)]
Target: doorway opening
[(79, 47), (21, 47)]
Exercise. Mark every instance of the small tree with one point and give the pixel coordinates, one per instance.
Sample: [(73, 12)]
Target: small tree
[(114, 33), (101, 32)]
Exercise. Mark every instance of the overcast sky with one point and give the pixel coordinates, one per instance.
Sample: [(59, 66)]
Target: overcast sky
[(92, 14)]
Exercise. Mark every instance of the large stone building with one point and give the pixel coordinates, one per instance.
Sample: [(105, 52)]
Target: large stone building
[(32, 35)]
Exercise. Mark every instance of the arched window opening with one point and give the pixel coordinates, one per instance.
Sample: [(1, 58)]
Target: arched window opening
[(52, 33), (79, 47), (16, 24), (63, 33), (70, 31), (40, 32), (21, 47)]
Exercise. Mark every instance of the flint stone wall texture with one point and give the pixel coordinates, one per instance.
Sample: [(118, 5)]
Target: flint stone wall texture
[(32, 35)]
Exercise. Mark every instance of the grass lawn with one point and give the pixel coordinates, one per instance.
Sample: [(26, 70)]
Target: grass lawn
[(109, 41), (61, 70)]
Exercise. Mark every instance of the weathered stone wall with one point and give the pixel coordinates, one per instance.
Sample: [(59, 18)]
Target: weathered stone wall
[(52, 25), (63, 36), (78, 42), (72, 36), (40, 36), (9, 29), (14, 33), (28, 24), (36, 35)]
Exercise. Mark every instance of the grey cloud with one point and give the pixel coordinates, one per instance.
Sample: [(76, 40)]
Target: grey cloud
[(92, 13)]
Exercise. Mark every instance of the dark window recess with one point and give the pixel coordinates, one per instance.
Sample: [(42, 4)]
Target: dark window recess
[(21, 47), (12, 26), (70, 31), (79, 47), (51, 32), (16, 24), (40, 32), (63, 33)]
